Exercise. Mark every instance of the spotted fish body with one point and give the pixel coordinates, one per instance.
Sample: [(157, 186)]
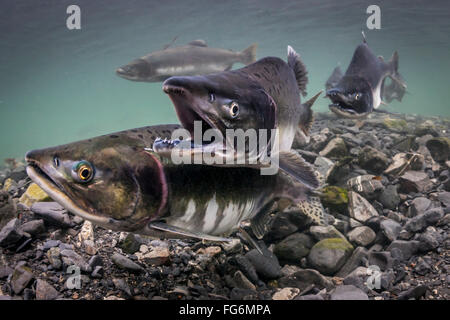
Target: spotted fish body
[(114, 182)]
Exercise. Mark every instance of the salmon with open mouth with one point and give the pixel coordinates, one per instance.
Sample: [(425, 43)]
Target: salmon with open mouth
[(114, 182), (359, 91), (263, 97)]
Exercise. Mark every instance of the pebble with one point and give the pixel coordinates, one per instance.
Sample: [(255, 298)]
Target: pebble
[(293, 248), (421, 221), (361, 236), (122, 285), (34, 227), (90, 247), (439, 148), (86, 232), (358, 258), (325, 232), (21, 278), (407, 248), (335, 148), (125, 263), (10, 233), (52, 212), (54, 257), (418, 206), (267, 265), (413, 293), (50, 244), (390, 229), (246, 267), (305, 278), (33, 194), (157, 256), (348, 292), (70, 257), (45, 291), (414, 182), (359, 208), (389, 198), (366, 185), (286, 294), (329, 255), (242, 281), (8, 208), (131, 243), (373, 160)]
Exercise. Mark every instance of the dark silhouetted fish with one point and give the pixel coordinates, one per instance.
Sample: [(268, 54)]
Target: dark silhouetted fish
[(358, 93), (334, 79)]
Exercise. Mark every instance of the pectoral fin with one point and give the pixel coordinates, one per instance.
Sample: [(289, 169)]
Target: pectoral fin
[(294, 165), (161, 226), (262, 222)]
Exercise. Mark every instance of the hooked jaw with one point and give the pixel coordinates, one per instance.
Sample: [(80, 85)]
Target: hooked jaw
[(188, 105), (343, 106)]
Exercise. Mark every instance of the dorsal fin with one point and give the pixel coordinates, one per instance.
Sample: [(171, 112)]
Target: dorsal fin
[(307, 120), (171, 43), (198, 43), (299, 69), (364, 36)]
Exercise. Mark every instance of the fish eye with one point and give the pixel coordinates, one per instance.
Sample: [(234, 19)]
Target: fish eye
[(83, 171), (234, 109), (212, 97), (56, 161), (357, 96)]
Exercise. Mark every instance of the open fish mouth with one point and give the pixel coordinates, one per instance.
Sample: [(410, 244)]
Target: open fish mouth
[(186, 107), (55, 191), (343, 109)]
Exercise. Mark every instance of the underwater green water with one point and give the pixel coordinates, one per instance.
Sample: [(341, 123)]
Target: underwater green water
[(58, 85)]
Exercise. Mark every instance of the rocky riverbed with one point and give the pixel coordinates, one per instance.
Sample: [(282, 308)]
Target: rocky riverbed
[(386, 190)]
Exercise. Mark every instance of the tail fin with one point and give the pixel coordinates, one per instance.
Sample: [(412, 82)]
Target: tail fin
[(396, 76), (249, 55), (299, 69), (307, 117)]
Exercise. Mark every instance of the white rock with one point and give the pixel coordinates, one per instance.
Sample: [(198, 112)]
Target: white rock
[(359, 208), (286, 294)]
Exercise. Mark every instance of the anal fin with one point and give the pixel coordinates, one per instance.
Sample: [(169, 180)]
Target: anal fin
[(294, 165), (164, 227)]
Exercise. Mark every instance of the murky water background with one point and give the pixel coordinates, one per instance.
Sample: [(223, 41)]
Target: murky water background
[(58, 86)]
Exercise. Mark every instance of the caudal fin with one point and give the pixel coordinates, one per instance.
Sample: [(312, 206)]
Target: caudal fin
[(299, 69), (307, 118), (396, 76), (249, 55)]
